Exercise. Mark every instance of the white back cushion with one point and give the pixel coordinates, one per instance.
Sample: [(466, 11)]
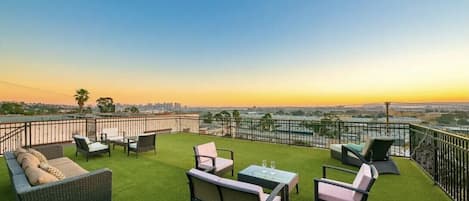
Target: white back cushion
[(362, 180), (207, 149), (242, 186), (111, 132)]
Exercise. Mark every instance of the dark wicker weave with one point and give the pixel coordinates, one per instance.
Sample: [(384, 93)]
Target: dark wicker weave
[(93, 186), (145, 143)]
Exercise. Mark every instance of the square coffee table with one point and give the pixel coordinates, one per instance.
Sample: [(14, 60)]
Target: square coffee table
[(269, 178)]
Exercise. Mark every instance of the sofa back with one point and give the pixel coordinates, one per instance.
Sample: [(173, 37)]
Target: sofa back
[(205, 186)]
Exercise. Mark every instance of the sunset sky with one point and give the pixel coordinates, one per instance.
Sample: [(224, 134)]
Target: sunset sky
[(235, 53)]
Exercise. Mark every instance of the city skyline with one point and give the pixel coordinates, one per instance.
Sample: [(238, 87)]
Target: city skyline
[(243, 53)]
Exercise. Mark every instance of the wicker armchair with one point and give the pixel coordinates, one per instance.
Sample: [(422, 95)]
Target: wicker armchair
[(89, 148), (146, 142), (206, 159), (330, 190)]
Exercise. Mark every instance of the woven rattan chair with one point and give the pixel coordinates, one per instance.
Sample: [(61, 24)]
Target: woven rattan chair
[(88, 148), (206, 159), (144, 143), (331, 190)]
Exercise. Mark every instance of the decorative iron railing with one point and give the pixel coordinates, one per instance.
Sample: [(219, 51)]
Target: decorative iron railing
[(442, 155)]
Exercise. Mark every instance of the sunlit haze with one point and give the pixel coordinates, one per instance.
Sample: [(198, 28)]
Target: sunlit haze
[(235, 53)]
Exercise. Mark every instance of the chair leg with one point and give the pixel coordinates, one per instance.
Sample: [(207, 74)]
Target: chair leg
[(86, 157), (109, 152), (297, 189), (232, 171)]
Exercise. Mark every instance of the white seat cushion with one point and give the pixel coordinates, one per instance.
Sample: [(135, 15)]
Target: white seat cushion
[(242, 186), (115, 138), (338, 148), (220, 164), (97, 147), (133, 145), (334, 193)]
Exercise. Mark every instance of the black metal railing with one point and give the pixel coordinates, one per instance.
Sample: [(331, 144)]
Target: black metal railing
[(310, 133), (442, 155)]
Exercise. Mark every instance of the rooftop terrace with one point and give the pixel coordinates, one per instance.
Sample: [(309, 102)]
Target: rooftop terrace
[(162, 176)]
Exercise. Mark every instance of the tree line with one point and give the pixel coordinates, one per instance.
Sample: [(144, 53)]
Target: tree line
[(104, 104)]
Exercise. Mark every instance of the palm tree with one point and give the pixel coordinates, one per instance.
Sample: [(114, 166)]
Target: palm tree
[(267, 123), (237, 117), (81, 96)]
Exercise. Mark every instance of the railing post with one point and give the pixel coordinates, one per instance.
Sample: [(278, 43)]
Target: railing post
[(250, 129), (30, 134), (289, 132), (411, 149), (339, 131), (436, 176), (25, 128)]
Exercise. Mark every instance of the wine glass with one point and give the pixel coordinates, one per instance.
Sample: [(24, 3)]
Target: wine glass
[(272, 165), (264, 165)]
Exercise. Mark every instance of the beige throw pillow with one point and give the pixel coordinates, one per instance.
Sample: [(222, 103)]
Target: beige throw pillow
[(30, 161), (21, 156), (38, 155), (52, 170), (36, 176), (19, 150)]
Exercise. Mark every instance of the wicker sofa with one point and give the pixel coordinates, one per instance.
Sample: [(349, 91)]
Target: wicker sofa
[(79, 184)]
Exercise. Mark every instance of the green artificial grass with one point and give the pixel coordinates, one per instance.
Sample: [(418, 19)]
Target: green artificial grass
[(161, 177)]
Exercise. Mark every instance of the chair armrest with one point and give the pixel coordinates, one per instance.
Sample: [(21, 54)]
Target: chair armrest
[(278, 189), (346, 150), (317, 181), (325, 167), (213, 159), (227, 150), (95, 185), (51, 151)]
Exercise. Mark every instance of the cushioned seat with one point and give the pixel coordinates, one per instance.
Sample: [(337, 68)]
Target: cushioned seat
[(133, 145), (357, 191), (97, 147), (205, 154), (88, 149), (67, 167), (332, 193), (221, 164), (115, 138)]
